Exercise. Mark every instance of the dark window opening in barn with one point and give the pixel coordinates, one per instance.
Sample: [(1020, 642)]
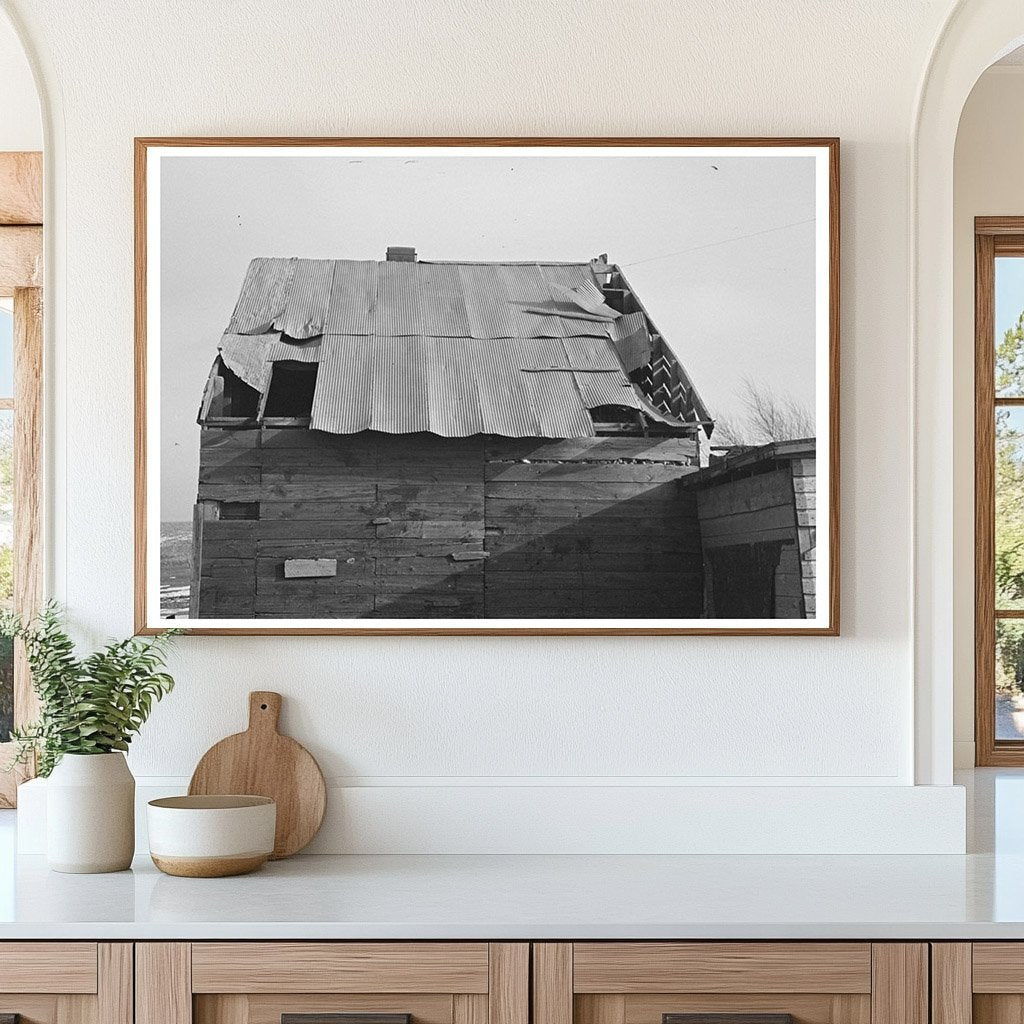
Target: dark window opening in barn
[(291, 390), (228, 396), (616, 419), (740, 580), (239, 510)]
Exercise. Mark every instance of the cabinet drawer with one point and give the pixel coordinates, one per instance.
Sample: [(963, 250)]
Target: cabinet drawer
[(65, 967), (340, 967), (981, 982), (332, 983), (66, 982), (752, 967), (730, 983)]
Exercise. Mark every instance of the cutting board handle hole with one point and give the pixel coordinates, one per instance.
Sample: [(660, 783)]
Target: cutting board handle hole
[(263, 707)]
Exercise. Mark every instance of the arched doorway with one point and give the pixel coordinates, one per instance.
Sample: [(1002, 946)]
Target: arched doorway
[(976, 34)]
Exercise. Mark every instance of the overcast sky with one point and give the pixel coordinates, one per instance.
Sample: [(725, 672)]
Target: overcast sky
[(720, 250)]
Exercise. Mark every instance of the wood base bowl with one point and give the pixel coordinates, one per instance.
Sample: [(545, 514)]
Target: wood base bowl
[(211, 836)]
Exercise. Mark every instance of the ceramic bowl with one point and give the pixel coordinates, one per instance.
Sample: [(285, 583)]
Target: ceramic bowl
[(211, 836)]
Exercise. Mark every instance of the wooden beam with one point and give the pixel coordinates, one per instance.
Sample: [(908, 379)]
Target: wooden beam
[(21, 258), (21, 188)]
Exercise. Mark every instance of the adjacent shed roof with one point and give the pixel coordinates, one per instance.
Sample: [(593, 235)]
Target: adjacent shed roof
[(518, 349)]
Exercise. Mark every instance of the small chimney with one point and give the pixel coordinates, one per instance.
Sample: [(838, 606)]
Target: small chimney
[(401, 254)]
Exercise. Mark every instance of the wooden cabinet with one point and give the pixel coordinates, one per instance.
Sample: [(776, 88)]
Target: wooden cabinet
[(66, 982), (977, 983), (494, 983), (759, 982), (263, 982)]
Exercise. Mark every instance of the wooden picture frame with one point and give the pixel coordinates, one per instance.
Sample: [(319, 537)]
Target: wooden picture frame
[(790, 582)]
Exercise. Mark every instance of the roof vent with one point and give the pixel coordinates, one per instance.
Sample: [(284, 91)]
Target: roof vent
[(401, 254)]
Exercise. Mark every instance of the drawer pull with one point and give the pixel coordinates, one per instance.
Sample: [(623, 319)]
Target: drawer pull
[(338, 1018), (727, 1018)]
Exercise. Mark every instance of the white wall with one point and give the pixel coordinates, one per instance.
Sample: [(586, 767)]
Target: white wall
[(987, 181), (428, 716), (21, 127)]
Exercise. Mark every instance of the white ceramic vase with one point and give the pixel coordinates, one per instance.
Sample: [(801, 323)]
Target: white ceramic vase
[(90, 814)]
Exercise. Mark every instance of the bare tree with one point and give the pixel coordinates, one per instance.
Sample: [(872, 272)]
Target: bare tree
[(766, 417)]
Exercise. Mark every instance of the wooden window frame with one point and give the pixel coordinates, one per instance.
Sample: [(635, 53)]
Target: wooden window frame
[(21, 269), (993, 237)]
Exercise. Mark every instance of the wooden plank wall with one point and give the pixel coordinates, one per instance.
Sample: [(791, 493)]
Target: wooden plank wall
[(392, 509), (592, 528), (752, 510)]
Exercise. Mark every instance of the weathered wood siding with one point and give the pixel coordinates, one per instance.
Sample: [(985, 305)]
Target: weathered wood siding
[(392, 509), (430, 527), (804, 486), (756, 517), (591, 528)]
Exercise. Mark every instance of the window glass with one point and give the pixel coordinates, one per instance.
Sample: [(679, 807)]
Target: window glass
[(6, 567), (6, 353), (1009, 511), (1009, 679), (1009, 327)]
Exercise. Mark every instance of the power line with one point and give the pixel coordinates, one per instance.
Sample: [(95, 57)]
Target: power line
[(723, 241)]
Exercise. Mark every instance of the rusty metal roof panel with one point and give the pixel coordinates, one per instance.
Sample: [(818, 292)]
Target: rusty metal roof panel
[(606, 389), (559, 407), (452, 348), (398, 389), (353, 297), (526, 286), (545, 354), (397, 311), (506, 403), (487, 304), (296, 351), (341, 401), (591, 354), (263, 295), (305, 309), (245, 355), (632, 340), (442, 302), (453, 397)]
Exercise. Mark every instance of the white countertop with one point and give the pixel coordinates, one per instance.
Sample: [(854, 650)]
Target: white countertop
[(977, 896), (496, 897)]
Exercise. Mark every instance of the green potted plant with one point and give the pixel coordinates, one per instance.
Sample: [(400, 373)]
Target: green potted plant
[(90, 708)]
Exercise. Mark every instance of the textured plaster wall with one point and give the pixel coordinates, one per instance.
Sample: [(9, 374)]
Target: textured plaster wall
[(696, 710)]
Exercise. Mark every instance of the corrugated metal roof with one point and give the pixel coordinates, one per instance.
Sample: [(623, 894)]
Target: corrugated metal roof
[(262, 300), (342, 399), (451, 348)]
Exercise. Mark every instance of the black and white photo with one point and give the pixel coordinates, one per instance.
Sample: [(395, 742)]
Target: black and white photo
[(399, 386)]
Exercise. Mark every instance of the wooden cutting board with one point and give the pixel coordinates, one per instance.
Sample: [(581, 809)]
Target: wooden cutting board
[(262, 762)]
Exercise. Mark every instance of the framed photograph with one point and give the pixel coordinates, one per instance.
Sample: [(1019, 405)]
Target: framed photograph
[(487, 386)]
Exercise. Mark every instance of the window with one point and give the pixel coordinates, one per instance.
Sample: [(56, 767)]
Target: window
[(20, 500), (290, 395), (999, 491), (6, 513)]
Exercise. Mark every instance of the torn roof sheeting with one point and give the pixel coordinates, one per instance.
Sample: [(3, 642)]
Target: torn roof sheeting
[(516, 349)]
